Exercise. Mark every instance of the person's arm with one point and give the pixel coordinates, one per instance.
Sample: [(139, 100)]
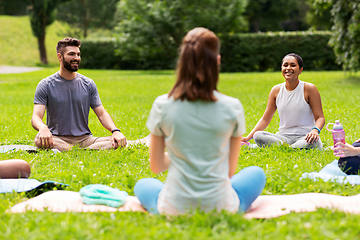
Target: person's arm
[(14, 168), (314, 101), (45, 135), (159, 159), (268, 114), (118, 139), (347, 149), (235, 147)]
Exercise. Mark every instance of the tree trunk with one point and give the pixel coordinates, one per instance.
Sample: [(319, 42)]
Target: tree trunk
[(256, 25), (85, 31), (42, 49), (87, 18)]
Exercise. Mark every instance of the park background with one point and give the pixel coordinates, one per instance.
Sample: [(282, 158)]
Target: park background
[(135, 43)]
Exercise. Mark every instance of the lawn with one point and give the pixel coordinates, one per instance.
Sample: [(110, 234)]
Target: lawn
[(20, 48), (128, 96)]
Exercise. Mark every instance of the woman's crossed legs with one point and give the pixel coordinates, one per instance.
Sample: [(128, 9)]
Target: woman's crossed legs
[(263, 138), (248, 185)]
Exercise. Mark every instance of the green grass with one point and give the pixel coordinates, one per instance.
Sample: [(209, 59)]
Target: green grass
[(128, 96)]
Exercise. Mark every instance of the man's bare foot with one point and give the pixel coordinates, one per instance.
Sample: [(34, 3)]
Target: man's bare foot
[(145, 141)]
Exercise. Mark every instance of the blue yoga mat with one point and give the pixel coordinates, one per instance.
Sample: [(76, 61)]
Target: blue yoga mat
[(7, 148), (29, 185), (28, 148)]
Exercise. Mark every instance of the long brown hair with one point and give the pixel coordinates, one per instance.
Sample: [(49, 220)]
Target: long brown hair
[(197, 68)]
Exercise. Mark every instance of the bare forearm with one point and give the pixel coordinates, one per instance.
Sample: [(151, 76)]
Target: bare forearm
[(159, 160), (161, 165), (320, 122), (357, 151), (37, 123), (107, 121), (234, 154), (260, 126), (268, 114), (353, 151), (14, 168)]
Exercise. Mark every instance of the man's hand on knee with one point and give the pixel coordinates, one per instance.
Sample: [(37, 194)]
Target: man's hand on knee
[(118, 139), (44, 138)]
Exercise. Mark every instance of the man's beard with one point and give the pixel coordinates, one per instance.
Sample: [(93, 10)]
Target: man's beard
[(67, 66)]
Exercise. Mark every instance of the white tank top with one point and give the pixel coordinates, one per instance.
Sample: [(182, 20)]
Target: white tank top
[(296, 116)]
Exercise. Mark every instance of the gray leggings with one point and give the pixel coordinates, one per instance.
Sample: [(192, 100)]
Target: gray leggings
[(263, 139)]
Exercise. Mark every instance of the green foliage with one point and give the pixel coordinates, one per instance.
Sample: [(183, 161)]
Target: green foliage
[(319, 14), (86, 14), (103, 58), (42, 14), (345, 37), (13, 7), (128, 96), (276, 15), (346, 33), (263, 51), (150, 31), (240, 52)]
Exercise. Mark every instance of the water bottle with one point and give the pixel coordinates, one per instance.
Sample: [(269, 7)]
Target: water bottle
[(338, 135)]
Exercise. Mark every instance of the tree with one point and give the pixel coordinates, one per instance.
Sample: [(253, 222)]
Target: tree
[(346, 33), (319, 14), (154, 29), (345, 37), (86, 14), (13, 7), (276, 15), (42, 14)]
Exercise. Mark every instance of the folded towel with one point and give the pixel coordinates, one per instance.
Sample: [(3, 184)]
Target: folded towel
[(98, 194), (332, 172)]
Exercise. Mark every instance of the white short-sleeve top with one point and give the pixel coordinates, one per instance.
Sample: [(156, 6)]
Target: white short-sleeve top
[(197, 137)]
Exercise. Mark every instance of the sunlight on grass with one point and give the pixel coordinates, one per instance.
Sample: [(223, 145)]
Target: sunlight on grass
[(128, 96)]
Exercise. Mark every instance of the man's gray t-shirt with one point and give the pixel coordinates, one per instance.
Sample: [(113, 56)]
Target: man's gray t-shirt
[(67, 103)]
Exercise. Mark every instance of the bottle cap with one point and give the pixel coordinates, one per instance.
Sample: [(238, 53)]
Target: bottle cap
[(337, 125)]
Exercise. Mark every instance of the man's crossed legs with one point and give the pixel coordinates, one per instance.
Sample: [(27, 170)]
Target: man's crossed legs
[(65, 143)]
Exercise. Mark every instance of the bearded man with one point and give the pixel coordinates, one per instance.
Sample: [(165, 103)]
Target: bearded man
[(67, 97)]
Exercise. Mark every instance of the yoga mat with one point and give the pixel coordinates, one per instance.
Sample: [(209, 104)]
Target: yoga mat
[(7, 148), (265, 206), (32, 186), (271, 206), (69, 201)]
